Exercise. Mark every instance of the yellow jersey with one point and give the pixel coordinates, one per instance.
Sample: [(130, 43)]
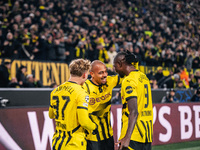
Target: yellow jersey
[(136, 85), (100, 105), (69, 108)]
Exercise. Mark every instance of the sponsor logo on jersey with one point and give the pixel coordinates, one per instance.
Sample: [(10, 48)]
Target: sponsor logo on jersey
[(98, 99), (129, 89)]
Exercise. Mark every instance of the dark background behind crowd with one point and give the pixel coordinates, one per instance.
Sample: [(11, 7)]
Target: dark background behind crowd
[(163, 33)]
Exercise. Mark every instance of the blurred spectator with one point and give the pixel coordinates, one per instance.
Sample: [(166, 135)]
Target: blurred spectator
[(50, 48), (102, 53), (188, 60), (5, 74), (170, 97), (111, 54), (38, 45), (180, 84), (21, 75), (197, 74), (196, 61), (153, 83), (10, 47), (168, 57), (80, 50), (192, 81), (60, 47), (159, 74), (31, 82), (184, 76), (170, 81), (150, 75), (14, 83), (179, 59), (196, 96), (26, 51)]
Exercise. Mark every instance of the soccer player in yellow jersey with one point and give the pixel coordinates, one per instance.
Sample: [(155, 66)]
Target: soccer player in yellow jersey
[(137, 111), (100, 88), (69, 108)]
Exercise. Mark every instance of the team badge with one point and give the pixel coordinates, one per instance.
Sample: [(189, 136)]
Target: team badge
[(87, 99), (129, 89)]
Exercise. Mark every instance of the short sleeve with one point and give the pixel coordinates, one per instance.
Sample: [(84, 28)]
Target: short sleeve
[(83, 100), (130, 89)]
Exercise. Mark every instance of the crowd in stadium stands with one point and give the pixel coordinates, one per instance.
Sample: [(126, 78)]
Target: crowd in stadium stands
[(161, 33)]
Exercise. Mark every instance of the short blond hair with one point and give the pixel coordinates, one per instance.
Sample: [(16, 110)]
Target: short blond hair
[(79, 66)]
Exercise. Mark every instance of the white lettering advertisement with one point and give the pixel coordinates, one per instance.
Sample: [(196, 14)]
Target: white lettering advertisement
[(32, 129)]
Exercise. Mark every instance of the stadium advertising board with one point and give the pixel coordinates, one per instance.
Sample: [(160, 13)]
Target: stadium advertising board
[(31, 128)]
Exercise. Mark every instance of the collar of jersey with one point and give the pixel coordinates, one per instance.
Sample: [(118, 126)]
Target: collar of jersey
[(72, 82), (134, 71), (94, 83)]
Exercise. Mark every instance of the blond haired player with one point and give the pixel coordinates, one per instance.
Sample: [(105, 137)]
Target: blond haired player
[(69, 108), (137, 111)]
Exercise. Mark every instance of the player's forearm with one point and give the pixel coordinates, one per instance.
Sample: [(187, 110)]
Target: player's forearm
[(131, 123), (133, 114), (51, 114), (84, 120)]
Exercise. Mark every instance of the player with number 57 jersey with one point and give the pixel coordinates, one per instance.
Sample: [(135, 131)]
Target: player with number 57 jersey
[(69, 108)]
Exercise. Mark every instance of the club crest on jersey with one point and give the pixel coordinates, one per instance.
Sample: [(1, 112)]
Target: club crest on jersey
[(87, 99), (129, 89)]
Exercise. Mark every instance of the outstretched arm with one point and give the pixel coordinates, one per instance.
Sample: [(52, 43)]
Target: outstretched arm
[(84, 120)]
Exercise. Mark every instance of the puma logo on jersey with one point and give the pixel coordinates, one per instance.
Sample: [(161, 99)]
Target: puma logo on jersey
[(95, 93)]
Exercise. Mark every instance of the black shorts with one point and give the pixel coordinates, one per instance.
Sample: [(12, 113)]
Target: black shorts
[(107, 144), (139, 146)]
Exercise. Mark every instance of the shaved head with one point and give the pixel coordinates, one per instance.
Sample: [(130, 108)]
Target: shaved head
[(95, 64)]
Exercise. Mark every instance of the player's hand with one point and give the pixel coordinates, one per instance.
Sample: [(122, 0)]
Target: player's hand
[(95, 131), (123, 144), (86, 132)]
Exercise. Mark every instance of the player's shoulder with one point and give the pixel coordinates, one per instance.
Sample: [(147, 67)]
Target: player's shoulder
[(131, 78), (87, 82), (113, 78)]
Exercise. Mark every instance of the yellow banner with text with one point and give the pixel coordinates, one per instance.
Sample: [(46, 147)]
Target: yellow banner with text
[(46, 72)]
